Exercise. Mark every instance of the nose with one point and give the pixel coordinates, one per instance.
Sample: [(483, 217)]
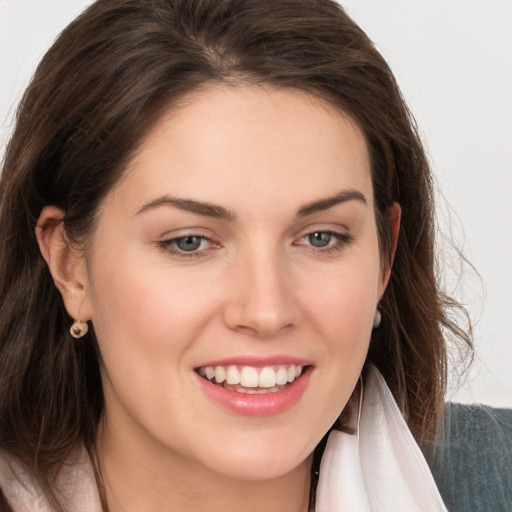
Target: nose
[(262, 297)]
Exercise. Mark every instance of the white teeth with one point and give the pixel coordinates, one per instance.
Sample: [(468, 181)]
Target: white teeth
[(210, 372), (232, 375), (267, 378), (220, 374), (281, 376), (249, 377)]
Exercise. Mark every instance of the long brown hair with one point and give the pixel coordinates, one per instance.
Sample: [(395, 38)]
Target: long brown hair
[(96, 93)]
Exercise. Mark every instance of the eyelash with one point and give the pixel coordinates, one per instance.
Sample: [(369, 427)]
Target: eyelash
[(342, 240)]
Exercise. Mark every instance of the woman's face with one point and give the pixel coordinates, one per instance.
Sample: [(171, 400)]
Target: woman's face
[(241, 245)]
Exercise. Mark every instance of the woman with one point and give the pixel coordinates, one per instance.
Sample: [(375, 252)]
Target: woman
[(217, 269)]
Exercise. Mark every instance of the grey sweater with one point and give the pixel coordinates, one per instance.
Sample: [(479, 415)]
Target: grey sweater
[(472, 460)]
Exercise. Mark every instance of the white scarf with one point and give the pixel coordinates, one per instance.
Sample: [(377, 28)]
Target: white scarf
[(381, 469)]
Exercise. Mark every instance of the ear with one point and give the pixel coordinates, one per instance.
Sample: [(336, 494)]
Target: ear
[(66, 264), (393, 215)]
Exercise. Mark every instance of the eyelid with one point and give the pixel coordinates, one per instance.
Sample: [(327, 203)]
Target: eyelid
[(328, 227), (319, 225)]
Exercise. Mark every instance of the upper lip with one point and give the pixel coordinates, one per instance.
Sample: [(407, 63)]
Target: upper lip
[(257, 361)]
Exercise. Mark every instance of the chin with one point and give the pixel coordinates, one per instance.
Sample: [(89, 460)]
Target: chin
[(258, 462), (258, 470)]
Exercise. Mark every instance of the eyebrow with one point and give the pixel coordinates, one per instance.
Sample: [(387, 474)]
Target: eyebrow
[(189, 205), (329, 202), (221, 213)]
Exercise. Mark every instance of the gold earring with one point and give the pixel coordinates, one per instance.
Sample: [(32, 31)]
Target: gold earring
[(78, 329)]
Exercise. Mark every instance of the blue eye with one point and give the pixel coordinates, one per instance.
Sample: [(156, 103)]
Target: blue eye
[(326, 241), (184, 246), (320, 238), (188, 243)]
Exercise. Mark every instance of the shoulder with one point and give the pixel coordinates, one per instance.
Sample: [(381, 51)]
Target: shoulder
[(75, 481), (18, 489), (472, 459), (14, 481)]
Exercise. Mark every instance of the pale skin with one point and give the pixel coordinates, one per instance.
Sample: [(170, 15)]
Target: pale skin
[(277, 166)]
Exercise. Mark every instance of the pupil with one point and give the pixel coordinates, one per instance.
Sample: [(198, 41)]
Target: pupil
[(189, 243), (320, 239)]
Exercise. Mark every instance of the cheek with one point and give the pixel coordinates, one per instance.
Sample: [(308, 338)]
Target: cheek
[(146, 324), (345, 301), (138, 305), (342, 312)]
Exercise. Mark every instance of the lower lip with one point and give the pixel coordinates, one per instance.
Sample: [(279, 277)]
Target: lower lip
[(266, 404)]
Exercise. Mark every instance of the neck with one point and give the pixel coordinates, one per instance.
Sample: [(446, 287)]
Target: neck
[(137, 478)]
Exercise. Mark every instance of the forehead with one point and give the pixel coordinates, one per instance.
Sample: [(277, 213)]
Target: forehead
[(229, 141)]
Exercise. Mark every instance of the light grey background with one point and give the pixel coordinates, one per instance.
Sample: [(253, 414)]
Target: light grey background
[(453, 60)]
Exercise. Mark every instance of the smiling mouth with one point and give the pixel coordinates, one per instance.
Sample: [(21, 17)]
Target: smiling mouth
[(251, 379)]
